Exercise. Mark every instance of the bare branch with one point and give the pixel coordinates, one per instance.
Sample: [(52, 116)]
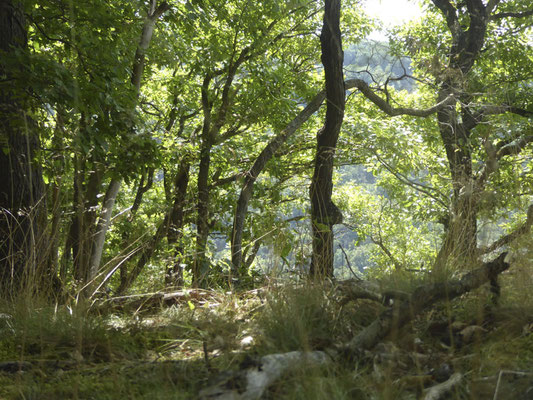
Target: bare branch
[(507, 239), (440, 390), (493, 110), (422, 297), (348, 262), (415, 185), (495, 155), (393, 112), (229, 179)]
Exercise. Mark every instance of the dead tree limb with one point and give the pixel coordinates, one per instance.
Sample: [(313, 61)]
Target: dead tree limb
[(422, 297), (250, 383), (442, 389)]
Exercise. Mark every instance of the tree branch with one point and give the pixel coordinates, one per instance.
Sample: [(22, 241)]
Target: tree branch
[(495, 155), (507, 239), (512, 14), (251, 381), (493, 110), (422, 297), (226, 180), (384, 106), (415, 185), (450, 13)]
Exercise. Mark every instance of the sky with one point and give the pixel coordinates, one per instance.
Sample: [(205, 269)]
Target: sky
[(392, 12)]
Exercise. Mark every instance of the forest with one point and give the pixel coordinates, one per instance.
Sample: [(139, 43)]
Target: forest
[(229, 199)]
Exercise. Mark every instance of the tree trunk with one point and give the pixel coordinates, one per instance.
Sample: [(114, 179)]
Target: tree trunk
[(202, 216), (146, 253), (22, 194), (86, 190), (114, 187), (101, 228), (200, 268), (251, 176), (325, 214), (460, 242), (174, 272), (173, 221)]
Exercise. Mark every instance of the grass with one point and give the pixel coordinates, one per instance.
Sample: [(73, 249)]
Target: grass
[(173, 352)]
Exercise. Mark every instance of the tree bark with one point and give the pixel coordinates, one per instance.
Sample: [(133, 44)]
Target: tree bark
[(202, 217), (460, 242), (324, 213), (102, 227), (22, 194), (86, 190), (273, 147), (212, 124), (174, 272)]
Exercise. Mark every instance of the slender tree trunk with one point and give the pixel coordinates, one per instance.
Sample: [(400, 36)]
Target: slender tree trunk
[(324, 213), (104, 220), (212, 124), (202, 219), (259, 165), (251, 176), (173, 220), (52, 253), (101, 228), (86, 192), (174, 272), (202, 222), (146, 253)]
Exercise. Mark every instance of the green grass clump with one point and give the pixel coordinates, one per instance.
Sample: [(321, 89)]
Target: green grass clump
[(294, 318), (31, 331)]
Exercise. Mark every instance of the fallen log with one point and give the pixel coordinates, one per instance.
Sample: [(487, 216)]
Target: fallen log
[(251, 382), (421, 298), (149, 300)]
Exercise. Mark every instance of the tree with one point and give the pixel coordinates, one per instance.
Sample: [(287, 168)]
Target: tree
[(22, 196), (450, 52), (324, 213)]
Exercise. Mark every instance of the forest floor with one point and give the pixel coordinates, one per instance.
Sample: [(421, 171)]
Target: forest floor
[(172, 349)]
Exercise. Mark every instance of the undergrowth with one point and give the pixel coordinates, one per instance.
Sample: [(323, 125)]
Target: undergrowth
[(171, 352)]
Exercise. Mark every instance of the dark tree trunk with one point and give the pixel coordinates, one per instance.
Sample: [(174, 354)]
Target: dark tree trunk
[(202, 221), (170, 227), (324, 213), (174, 272), (22, 194)]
